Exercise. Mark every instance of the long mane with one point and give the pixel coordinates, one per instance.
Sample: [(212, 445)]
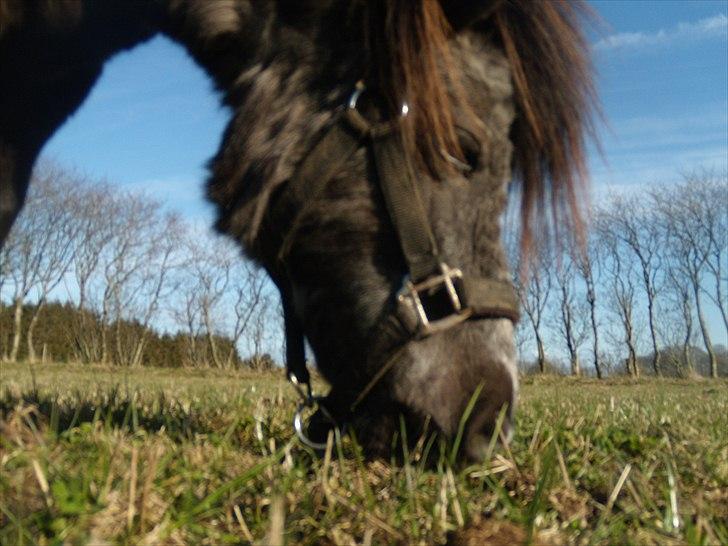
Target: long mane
[(552, 77)]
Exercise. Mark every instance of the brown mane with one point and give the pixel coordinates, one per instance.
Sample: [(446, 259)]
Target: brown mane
[(551, 72)]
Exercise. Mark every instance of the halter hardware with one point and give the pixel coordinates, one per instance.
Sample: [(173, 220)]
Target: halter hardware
[(411, 294), (308, 401), (299, 427), (365, 126)]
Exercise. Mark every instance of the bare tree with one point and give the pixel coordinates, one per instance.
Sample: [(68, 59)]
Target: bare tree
[(122, 271), (572, 311), (224, 302), (40, 248), (212, 270), (523, 337), (93, 211), (124, 263), (6, 255), (620, 272), (155, 283), (709, 203), (124, 258), (26, 242), (210, 273), (254, 308), (534, 296), (511, 241), (56, 191), (187, 314), (264, 324), (689, 247), (680, 296), (585, 266), (8, 259), (634, 227)]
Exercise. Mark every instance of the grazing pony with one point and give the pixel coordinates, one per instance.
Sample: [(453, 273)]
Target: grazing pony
[(366, 166)]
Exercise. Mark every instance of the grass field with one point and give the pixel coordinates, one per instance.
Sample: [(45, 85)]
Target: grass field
[(93, 455)]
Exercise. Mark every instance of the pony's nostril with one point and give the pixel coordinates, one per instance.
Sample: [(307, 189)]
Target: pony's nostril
[(482, 443)]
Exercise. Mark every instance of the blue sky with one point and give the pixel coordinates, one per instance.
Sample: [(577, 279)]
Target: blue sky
[(153, 121), (663, 80)]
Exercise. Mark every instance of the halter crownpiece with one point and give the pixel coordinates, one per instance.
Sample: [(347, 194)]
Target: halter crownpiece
[(434, 296)]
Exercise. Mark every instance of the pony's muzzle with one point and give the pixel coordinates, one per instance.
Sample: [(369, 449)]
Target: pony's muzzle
[(490, 425)]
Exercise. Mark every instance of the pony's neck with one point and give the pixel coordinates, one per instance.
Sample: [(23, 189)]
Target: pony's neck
[(51, 54)]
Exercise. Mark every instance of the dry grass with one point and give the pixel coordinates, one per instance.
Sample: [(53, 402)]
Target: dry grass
[(92, 455)]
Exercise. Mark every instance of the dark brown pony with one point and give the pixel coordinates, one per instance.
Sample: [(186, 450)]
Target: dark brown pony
[(496, 90)]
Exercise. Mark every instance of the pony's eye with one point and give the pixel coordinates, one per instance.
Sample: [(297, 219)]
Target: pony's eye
[(471, 152), (470, 147)]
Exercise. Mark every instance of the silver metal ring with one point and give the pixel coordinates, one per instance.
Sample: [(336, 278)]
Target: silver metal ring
[(359, 91), (298, 427), (298, 422)]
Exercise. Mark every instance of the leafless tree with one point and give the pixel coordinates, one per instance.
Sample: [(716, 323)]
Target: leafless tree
[(571, 320), (122, 271), (40, 247), (56, 188), (7, 263), (223, 297), (681, 210), (680, 319), (585, 263), (212, 268), (155, 283), (93, 212), (6, 256), (709, 214), (249, 305), (264, 325), (123, 259), (534, 292), (632, 224), (620, 274), (186, 313), (523, 337)]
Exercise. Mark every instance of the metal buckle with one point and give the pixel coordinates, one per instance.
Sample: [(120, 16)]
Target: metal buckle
[(365, 126), (410, 292)]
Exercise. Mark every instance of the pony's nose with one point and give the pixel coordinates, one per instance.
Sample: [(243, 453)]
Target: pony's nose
[(491, 424), (481, 444)]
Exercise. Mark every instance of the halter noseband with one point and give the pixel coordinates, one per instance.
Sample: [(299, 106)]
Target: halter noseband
[(434, 296)]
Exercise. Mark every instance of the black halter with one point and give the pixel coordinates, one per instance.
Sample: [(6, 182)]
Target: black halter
[(434, 296)]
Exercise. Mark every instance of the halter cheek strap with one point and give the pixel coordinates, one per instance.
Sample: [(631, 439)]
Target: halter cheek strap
[(434, 296)]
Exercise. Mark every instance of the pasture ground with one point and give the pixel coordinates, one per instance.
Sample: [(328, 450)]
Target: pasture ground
[(95, 455)]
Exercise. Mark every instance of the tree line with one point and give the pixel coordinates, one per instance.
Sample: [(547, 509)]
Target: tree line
[(137, 284), (636, 295), (60, 338)]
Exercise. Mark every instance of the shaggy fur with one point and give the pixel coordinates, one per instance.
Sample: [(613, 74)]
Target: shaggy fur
[(498, 84)]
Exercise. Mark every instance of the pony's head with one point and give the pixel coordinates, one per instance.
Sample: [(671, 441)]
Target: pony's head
[(376, 206)]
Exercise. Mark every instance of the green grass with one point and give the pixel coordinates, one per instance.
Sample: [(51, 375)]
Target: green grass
[(93, 455)]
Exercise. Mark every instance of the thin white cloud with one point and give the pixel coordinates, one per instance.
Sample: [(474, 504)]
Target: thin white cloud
[(649, 167), (716, 26)]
